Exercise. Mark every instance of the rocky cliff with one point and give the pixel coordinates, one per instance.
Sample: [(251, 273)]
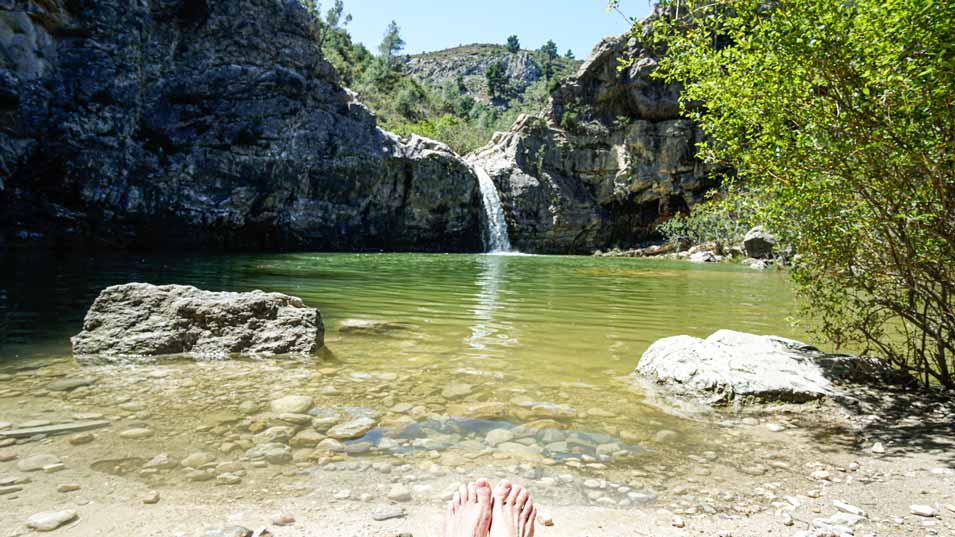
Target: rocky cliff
[(608, 160), (197, 123)]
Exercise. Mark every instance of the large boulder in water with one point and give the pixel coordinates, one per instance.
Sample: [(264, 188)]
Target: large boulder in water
[(733, 366), (139, 319)]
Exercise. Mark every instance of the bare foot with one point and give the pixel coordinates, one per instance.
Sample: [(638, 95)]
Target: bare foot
[(513, 512), (469, 511)]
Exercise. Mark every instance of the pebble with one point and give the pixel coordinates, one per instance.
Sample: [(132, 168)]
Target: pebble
[(546, 519), (7, 456), (877, 448), (68, 487), (821, 475), (10, 489), (848, 508), (283, 519), (162, 462), (355, 428), (923, 510), (51, 520), (292, 404), (776, 427), (37, 462), (199, 475), (498, 436), (665, 435), (197, 459), (787, 519), (80, 439), (228, 478), (387, 512), (399, 493), (679, 522), (136, 433), (457, 390), (151, 498), (342, 495)]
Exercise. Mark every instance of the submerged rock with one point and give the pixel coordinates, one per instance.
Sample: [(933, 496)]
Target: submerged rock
[(139, 319), (730, 366)]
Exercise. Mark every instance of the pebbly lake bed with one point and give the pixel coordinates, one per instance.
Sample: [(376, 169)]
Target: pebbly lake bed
[(437, 369)]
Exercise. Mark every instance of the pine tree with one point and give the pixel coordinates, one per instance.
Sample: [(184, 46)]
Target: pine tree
[(513, 44), (392, 44), (497, 79)]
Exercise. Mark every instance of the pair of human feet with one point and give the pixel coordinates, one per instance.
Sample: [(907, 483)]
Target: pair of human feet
[(478, 511)]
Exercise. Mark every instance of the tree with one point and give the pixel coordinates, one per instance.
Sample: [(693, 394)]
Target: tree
[(569, 54), (392, 43), (513, 44), (334, 15), (550, 50), (497, 79), (838, 117)]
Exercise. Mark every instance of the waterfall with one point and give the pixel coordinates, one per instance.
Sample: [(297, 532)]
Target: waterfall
[(496, 227)]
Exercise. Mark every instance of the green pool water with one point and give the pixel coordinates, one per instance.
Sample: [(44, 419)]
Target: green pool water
[(557, 318), (539, 346)]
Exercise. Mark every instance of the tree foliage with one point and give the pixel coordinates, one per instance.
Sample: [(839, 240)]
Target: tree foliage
[(722, 219), (513, 44), (497, 79), (840, 117), (549, 50), (391, 44)]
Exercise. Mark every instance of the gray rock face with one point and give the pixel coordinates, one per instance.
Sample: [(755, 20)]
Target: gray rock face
[(759, 243), (608, 160), (140, 319), (734, 366), (469, 64), (213, 123)]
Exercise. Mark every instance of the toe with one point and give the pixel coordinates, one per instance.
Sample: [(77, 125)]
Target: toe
[(502, 490), (512, 496), (527, 509), (521, 499), (472, 493), (483, 490), (531, 523), (463, 493), (456, 499)]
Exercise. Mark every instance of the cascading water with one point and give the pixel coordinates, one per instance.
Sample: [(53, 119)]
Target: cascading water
[(496, 238)]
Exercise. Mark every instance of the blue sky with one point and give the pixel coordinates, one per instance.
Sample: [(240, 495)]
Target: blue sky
[(437, 24)]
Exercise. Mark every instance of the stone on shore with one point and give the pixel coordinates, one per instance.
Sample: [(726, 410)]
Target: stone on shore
[(51, 520), (734, 366), (37, 462), (139, 319), (759, 243)]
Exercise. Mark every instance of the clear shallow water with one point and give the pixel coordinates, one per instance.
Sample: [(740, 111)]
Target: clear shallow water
[(540, 347)]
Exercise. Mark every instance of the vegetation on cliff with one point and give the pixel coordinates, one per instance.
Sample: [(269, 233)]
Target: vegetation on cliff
[(838, 118), (460, 110)]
